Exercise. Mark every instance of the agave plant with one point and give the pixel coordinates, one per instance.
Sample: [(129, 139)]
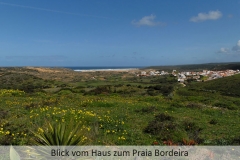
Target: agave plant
[(59, 134)]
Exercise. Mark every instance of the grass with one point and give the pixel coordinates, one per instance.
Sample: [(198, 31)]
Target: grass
[(226, 86), (123, 113)]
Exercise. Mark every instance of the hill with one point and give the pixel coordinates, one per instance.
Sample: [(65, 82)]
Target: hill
[(199, 67), (116, 108), (226, 86), (25, 82)]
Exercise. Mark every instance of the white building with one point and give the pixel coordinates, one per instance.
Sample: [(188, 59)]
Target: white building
[(143, 73), (152, 73)]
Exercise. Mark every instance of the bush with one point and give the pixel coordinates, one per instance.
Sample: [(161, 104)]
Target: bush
[(193, 105), (152, 92), (227, 105), (163, 130), (162, 126), (236, 141), (213, 121), (177, 105), (163, 117), (118, 85), (159, 89), (100, 90), (139, 86), (3, 113), (193, 131), (148, 109)]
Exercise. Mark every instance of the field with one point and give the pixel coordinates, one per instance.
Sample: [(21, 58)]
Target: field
[(117, 108)]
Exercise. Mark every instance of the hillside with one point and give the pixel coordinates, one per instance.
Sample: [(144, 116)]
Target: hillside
[(25, 82), (117, 108), (199, 67), (226, 86)]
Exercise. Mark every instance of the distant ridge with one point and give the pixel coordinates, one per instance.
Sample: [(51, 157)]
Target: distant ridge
[(199, 67)]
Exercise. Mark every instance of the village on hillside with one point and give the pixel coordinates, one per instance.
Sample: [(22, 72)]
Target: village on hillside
[(205, 75)]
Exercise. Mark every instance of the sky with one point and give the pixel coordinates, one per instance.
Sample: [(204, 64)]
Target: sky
[(118, 32)]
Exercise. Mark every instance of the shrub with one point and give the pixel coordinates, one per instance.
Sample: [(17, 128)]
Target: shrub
[(176, 104), (193, 131), (3, 113), (236, 140), (148, 109), (139, 86), (152, 92), (163, 117), (213, 121), (193, 105), (222, 142), (163, 130), (162, 126), (100, 90), (118, 85), (227, 105)]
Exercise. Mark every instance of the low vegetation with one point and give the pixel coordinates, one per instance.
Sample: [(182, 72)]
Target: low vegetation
[(200, 67), (117, 110)]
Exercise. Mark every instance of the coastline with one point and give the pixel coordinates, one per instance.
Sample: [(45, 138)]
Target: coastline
[(100, 70)]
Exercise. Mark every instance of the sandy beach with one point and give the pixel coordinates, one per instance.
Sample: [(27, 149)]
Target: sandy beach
[(104, 70)]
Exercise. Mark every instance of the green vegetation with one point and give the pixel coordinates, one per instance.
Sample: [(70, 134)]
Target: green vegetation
[(118, 110), (59, 134), (225, 86), (25, 82), (200, 67)]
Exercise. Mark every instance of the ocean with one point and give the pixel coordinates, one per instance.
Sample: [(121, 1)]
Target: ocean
[(103, 68)]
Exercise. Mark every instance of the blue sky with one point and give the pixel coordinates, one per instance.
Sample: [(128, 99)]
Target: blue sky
[(118, 32)]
